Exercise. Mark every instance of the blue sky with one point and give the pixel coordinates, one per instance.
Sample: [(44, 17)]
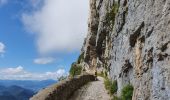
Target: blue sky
[(40, 37)]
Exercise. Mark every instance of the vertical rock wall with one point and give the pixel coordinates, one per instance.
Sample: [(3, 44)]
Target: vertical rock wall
[(135, 49), (97, 45)]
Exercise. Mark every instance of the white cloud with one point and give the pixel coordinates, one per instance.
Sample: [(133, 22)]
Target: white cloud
[(60, 25), (44, 60), (2, 49), (19, 73), (57, 74), (2, 2), (13, 71)]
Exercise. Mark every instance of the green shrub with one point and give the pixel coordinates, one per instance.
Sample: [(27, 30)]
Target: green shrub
[(100, 74), (115, 98), (110, 16), (75, 69), (105, 73), (113, 88), (107, 83), (127, 92)]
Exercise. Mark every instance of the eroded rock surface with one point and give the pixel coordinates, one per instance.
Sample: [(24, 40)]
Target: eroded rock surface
[(135, 49)]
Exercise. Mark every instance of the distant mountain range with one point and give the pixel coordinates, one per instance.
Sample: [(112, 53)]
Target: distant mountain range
[(21, 90), (15, 93), (28, 84)]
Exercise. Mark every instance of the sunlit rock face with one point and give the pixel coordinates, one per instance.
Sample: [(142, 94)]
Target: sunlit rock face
[(133, 48)]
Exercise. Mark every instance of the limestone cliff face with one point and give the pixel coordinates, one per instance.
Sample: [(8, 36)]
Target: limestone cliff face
[(130, 41)]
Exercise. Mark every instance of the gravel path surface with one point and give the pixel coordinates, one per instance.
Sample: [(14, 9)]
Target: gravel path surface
[(92, 91)]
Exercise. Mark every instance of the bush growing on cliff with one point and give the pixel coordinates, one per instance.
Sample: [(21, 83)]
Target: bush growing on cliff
[(101, 74), (110, 16), (115, 98), (107, 83), (75, 69), (105, 73), (111, 86), (127, 92), (80, 58)]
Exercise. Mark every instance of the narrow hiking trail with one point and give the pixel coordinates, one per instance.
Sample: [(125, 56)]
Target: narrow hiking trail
[(92, 91)]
